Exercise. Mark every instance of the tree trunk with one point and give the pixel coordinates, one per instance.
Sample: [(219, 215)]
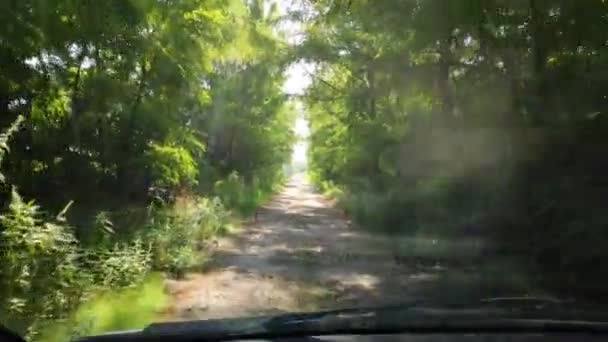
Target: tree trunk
[(446, 58), (75, 101), (128, 129), (539, 57), (371, 79)]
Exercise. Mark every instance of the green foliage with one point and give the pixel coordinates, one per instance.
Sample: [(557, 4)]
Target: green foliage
[(112, 106), (107, 312), (38, 256), (45, 274), (122, 265), (4, 139), (247, 197), (478, 118), (126, 96), (171, 166), (177, 234)]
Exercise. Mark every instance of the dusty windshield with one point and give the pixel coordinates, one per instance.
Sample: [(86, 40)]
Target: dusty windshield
[(209, 159)]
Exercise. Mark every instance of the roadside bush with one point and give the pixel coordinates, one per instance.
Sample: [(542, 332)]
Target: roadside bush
[(122, 265), (44, 273), (176, 233), (435, 208), (243, 196), (231, 190), (171, 166), (39, 273)]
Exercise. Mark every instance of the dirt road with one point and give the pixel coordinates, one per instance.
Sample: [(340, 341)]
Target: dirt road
[(300, 255)]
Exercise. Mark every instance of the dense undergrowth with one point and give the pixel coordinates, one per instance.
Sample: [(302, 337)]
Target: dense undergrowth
[(246, 198), (550, 223), (60, 280), (47, 273), (55, 285)]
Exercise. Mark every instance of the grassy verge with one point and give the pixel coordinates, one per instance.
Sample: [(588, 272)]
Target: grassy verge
[(175, 236), (46, 273), (112, 311)]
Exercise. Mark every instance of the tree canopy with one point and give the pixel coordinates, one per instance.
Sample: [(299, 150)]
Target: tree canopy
[(123, 96)]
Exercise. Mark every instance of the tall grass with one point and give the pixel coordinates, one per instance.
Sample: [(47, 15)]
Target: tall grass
[(245, 197), (177, 233), (46, 273), (53, 280)]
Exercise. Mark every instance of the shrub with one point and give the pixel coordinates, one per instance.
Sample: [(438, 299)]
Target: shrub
[(171, 166), (122, 265), (176, 233), (243, 196), (45, 274), (39, 273), (231, 190)]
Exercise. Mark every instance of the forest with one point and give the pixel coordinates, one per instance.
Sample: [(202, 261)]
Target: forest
[(130, 129), (469, 118), (134, 132)]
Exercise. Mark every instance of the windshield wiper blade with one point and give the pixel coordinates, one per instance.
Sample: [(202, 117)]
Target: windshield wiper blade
[(415, 320)]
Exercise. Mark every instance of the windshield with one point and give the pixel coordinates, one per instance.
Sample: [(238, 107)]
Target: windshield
[(166, 160)]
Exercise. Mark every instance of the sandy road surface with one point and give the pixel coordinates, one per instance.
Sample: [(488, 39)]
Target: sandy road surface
[(300, 255)]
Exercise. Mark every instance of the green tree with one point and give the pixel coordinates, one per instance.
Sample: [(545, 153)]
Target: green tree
[(469, 116)]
